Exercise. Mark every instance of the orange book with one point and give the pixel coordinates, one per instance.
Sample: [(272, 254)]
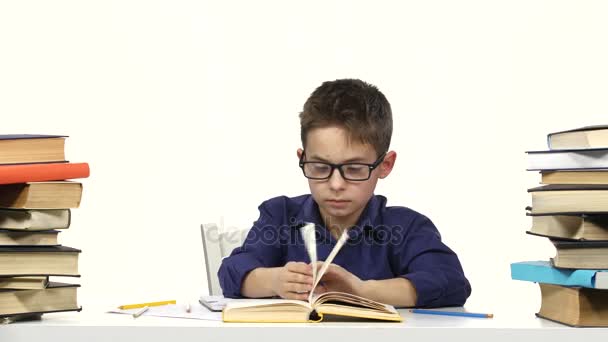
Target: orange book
[(23, 173)]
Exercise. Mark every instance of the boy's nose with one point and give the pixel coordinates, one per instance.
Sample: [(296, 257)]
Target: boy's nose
[(336, 182)]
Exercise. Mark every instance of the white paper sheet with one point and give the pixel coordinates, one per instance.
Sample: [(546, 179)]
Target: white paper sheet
[(197, 311)]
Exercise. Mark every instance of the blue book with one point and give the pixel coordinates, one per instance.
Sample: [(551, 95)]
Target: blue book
[(544, 272)]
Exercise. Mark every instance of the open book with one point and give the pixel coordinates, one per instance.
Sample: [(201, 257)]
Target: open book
[(343, 305)]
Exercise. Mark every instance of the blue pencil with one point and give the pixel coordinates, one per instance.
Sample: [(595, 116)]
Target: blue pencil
[(452, 313)]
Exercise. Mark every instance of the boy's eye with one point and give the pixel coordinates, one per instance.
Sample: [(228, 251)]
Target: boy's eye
[(355, 169), (320, 168)]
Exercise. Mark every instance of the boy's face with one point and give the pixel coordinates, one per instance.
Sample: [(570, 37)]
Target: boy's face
[(342, 201)]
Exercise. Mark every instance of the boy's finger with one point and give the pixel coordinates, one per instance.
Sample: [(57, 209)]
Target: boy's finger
[(300, 296), (299, 278), (299, 267), (295, 295), (299, 288), (333, 269), (293, 264)]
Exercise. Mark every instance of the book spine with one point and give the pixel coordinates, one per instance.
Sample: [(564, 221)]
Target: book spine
[(13, 174), (552, 275)]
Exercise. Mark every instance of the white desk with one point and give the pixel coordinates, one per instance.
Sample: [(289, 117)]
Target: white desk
[(92, 325)]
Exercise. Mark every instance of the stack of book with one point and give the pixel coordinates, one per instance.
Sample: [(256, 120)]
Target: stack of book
[(571, 210), (35, 202)]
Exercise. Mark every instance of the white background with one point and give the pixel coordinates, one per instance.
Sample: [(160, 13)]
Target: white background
[(187, 112)]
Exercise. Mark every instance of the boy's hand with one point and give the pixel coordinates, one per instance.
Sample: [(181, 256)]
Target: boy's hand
[(336, 278), (293, 281)]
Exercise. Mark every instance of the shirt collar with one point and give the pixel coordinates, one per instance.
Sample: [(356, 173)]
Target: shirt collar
[(369, 219)]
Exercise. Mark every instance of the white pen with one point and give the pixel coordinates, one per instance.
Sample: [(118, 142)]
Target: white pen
[(188, 308), (141, 312)]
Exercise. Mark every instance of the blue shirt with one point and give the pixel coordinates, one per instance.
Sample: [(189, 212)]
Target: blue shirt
[(386, 242)]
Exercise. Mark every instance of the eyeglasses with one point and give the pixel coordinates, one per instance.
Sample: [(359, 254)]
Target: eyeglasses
[(348, 171)]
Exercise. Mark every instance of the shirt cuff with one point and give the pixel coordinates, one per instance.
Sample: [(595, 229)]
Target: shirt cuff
[(233, 271), (428, 291)]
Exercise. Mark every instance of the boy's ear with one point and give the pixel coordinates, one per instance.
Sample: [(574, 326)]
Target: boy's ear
[(387, 164), (300, 151)]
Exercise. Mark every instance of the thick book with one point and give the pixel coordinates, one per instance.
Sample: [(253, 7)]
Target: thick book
[(24, 283), (580, 254), (574, 306), (579, 138), (56, 297), (325, 306), (544, 272), (41, 195), (565, 198), (572, 226), (34, 219), (12, 174), (344, 306), (575, 177), (37, 261), (568, 159), (24, 238), (31, 148)]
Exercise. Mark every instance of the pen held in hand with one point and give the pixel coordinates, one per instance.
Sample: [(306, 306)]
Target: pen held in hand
[(141, 312)]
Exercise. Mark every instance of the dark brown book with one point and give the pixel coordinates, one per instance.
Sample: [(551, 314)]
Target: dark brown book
[(56, 297), (28, 261), (41, 195), (580, 254), (31, 148), (574, 306), (572, 226)]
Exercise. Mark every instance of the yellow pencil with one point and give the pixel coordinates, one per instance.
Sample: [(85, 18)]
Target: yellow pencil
[(137, 306)]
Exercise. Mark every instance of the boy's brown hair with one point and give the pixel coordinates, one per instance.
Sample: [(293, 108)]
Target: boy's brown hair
[(357, 106)]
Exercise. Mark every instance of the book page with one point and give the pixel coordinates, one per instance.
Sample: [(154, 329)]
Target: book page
[(317, 277), (310, 241), (341, 298)]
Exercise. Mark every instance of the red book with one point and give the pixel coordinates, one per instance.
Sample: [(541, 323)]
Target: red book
[(12, 174)]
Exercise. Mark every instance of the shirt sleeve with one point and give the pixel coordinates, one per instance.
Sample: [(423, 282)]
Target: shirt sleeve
[(431, 266), (261, 248)]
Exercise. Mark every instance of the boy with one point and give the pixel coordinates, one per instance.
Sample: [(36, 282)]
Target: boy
[(394, 255)]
